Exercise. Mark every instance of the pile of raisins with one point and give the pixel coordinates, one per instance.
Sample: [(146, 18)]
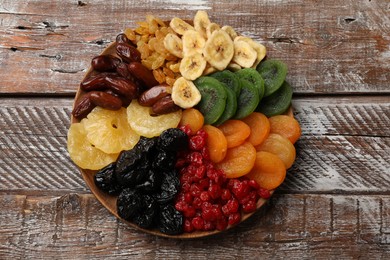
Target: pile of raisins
[(147, 182)]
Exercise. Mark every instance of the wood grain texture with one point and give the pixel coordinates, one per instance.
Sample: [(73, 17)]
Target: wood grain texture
[(293, 226), (345, 146), (329, 46)]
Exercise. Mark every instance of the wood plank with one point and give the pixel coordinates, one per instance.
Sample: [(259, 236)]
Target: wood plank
[(344, 148), (330, 47), (294, 226)]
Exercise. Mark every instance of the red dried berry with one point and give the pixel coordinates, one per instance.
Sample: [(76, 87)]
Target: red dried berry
[(249, 207), (222, 224), (189, 212), (265, 194), (196, 143), (215, 191), (234, 218), (230, 207), (204, 196), (188, 226), (198, 223), (186, 129)]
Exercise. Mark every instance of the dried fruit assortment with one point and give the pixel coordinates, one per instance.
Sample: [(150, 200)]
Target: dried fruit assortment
[(185, 125)]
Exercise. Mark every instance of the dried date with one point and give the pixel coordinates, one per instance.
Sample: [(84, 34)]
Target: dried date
[(142, 73), (127, 52), (105, 63)]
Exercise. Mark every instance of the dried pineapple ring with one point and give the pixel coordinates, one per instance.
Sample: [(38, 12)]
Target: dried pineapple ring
[(109, 130), (83, 153), (146, 125)]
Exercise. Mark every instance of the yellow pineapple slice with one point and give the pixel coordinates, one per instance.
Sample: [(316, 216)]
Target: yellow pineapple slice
[(83, 153), (146, 125), (109, 130)]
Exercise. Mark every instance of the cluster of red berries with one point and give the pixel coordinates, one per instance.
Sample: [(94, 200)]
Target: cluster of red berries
[(207, 199)]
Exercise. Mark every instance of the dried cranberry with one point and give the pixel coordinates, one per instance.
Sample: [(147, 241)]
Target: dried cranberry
[(198, 223), (265, 194), (234, 218), (197, 142)]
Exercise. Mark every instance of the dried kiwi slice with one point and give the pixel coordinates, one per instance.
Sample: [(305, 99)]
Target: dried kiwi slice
[(230, 79), (278, 102), (254, 77), (213, 101), (248, 99), (274, 73), (230, 108)]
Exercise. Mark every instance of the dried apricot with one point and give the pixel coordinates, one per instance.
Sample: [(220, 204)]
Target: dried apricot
[(238, 161), (193, 118), (260, 127), (216, 143), (235, 131), (279, 146), (268, 171), (286, 126)]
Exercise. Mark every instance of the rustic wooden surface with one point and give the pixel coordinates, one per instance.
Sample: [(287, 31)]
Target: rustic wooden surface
[(335, 203)]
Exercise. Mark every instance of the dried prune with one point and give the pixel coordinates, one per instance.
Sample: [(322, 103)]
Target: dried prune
[(146, 145), (126, 161), (149, 209), (151, 182), (106, 181), (173, 139), (164, 160), (171, 220), (170, 186), (129, 204)]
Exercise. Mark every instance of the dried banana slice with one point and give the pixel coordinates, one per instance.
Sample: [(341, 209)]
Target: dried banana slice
[(193, 42), (174, 44), (180, 26), (201, 21), (230, 30), (192, 67), (258, 47), (244, 54), (211, 28), (185, 94), (219, 49)]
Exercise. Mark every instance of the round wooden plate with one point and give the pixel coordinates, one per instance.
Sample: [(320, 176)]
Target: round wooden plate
[(109, 201)]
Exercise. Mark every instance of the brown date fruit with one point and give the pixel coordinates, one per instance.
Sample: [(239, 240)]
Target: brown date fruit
[(122, 38), (164, 106), (122, 86), (123, 71), (83, 107), (142, 73), (105, 100), (152, 95), (96, 82), (125, 102), (105, 63), (127, 52)]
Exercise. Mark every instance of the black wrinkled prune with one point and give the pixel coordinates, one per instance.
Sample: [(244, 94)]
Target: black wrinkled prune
[(170, 186), (152, 181), (106, 181), (164, 160), (149, 209), (126, 161), (171, 220), (146, 145), (173, 139), (129, 204)]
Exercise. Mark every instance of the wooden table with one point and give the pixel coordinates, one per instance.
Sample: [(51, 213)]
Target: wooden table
[(335, 202)]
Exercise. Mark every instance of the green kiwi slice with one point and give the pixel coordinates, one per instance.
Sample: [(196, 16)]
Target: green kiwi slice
[(213, 101), (230, 108), (230, 79), (254, 77), (274, 73), (278, 102), (248, 99)]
